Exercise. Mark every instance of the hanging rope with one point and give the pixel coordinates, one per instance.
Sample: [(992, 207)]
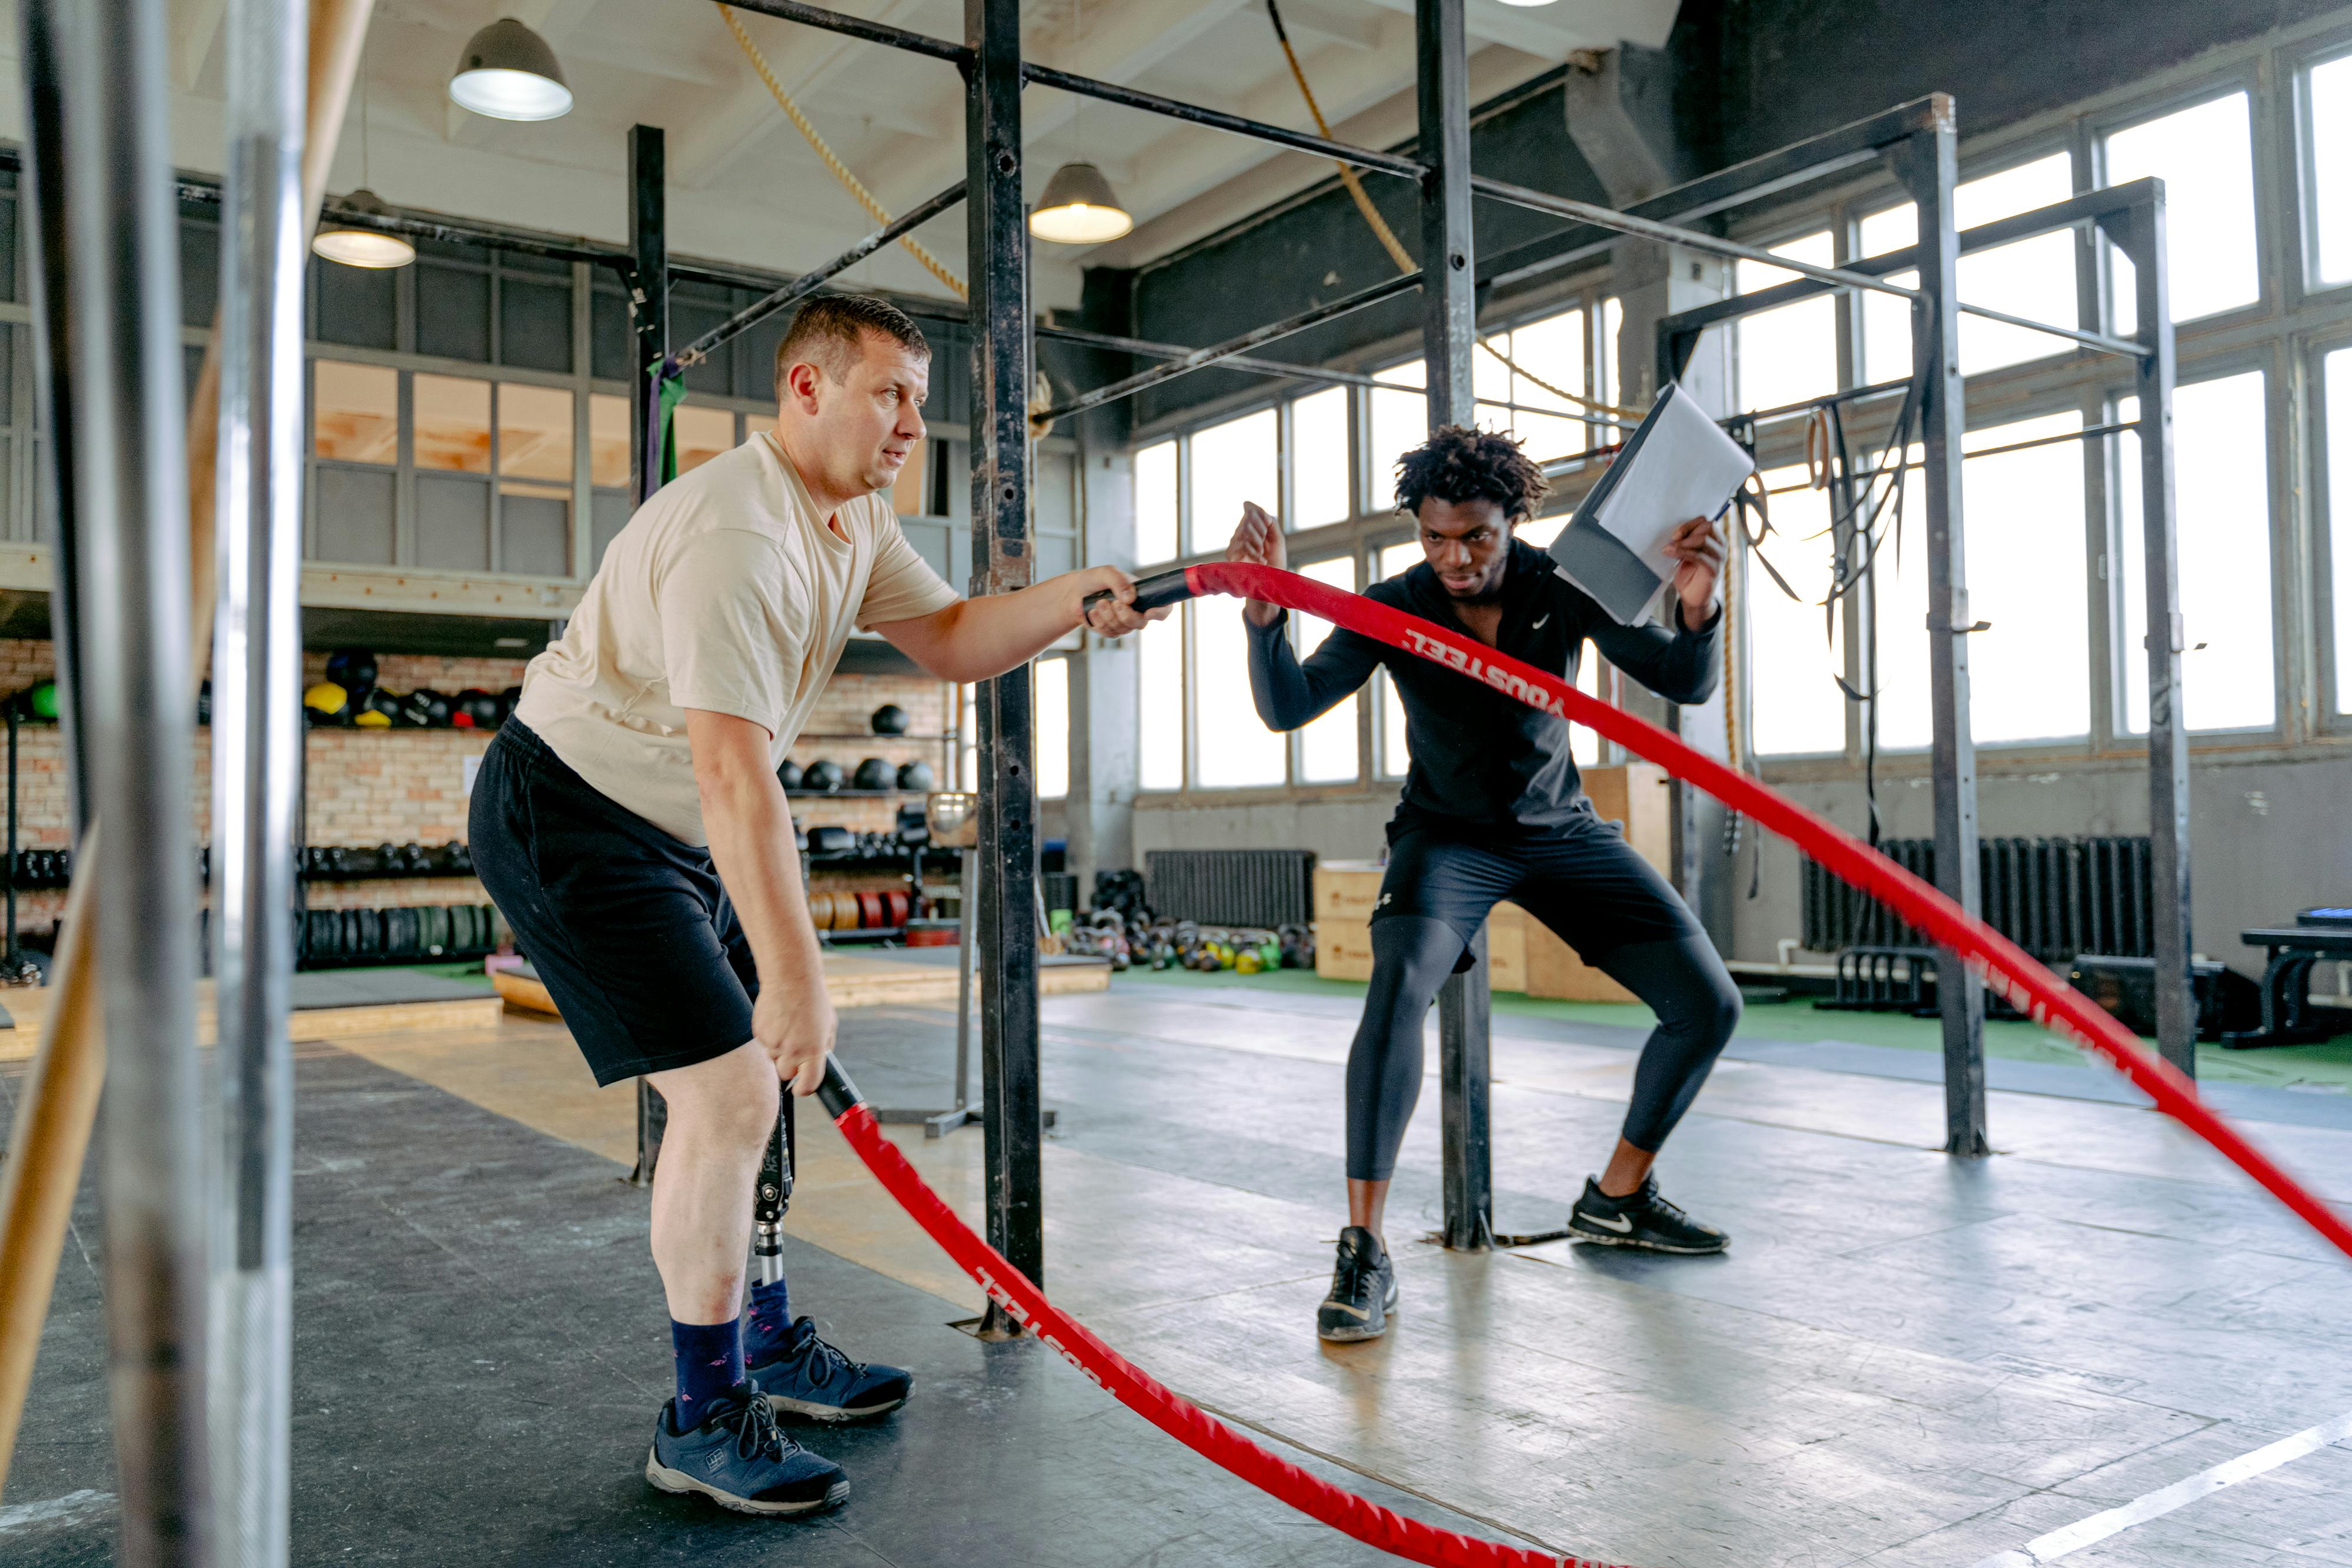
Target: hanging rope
[(1395, 246), (849, 182)]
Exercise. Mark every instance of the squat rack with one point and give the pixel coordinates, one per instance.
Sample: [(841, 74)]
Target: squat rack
[(1917, 139)]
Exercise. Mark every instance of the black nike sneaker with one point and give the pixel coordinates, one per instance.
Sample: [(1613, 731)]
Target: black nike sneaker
[(1363, 1291), (738, 1459), (1643, 1220)]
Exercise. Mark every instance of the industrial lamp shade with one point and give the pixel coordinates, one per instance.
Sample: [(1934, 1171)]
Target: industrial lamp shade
[(507, 72), (356, 247), (1078, 208)]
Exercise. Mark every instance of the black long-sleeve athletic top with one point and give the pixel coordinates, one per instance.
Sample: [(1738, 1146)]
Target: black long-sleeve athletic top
[(1481, 759)]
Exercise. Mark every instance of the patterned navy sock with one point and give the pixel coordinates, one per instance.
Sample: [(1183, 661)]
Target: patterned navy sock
[(709, 1366), (768, 1330)]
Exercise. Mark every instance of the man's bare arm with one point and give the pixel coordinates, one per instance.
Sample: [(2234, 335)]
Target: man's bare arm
[(974, 639), (750, 828)]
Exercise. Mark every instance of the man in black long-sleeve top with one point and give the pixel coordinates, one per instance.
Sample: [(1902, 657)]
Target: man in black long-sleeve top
[(1493, 810)]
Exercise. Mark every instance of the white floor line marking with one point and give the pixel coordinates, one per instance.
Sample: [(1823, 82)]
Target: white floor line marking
[(2180, 1494), (74, 1508)]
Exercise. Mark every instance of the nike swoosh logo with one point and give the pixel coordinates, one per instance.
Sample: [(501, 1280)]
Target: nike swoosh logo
[(1623, 1226), (1359, 1311), (1540, 620)]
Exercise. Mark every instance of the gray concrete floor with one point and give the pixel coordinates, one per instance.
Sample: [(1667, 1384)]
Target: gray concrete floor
[(1904, 1360)]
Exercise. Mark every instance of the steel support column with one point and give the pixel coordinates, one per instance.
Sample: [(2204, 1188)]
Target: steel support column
[(648, 298), (1448, 334), (1011, 1115), (2139, 235), (130, 482), (257, 769), (1926, 163)]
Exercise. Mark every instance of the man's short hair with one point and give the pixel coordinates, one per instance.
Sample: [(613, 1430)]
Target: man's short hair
[(826, 333), (1461, 464)]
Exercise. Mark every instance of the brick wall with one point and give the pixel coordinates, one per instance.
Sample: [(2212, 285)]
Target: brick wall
[(366, 787)]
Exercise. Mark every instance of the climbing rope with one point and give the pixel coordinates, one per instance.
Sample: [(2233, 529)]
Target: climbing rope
[(1395, 246), (849, 182)]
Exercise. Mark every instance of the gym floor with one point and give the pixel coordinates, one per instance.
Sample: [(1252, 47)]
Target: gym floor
[(1903, 1360)]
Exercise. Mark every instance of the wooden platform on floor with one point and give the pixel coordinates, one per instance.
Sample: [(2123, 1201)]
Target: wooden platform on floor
[(874, 979), (28, 1009)]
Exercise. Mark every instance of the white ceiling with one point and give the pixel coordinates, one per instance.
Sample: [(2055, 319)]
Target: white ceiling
[(744, 186)]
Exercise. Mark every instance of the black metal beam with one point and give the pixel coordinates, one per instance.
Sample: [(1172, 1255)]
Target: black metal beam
[(957, 55), (1202, 359), (1011, 1117), (1217, 120), (1448, 333), (1926, 164), (801, 288), (2088, 207), (648, 298), (2138, 232)]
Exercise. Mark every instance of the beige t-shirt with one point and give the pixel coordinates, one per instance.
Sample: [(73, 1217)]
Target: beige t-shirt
[(726, 592)]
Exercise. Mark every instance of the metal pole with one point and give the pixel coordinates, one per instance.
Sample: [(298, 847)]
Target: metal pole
[(1926, 163), (2139, 234), (130, 485), (257, 766), (967, 898), (648, 298), (1448, 320), (1011, 1115)]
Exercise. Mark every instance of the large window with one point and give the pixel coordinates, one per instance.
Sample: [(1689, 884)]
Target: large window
[(1322, 486), (1053, 721), (1237, 461), (1795, 652), (1155, 503), (2223, 520), (1389, 745), (2328, 158), (1160, 707), (2029, 670), (1233, 747), (1790, 354), (2205, 156), (1326, 747), (1400, 423), (2030, 277), (2336, 387), (1549, 352)]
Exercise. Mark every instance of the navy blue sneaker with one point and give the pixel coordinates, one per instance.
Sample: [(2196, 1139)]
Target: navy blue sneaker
[(810, 1379), (740, 1460), (1363, 1291)]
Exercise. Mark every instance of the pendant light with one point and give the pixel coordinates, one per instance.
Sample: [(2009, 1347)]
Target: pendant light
[(356, 247), (1077, 206), (507, 72)]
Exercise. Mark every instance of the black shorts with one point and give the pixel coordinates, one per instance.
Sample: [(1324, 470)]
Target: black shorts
[(1583, 881), (627, 926)]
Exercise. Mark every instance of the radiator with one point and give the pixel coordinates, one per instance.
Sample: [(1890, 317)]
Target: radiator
[(2053, 897), (1232, 887)]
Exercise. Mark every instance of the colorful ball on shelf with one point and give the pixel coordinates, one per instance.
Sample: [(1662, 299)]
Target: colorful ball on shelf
[(354, 669), (474, 708), (326, 702)]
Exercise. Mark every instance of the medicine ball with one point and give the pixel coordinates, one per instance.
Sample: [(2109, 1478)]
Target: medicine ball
[(326, 702), (889, 719), (41, 700), (917, 777), (354, 669), (372, 719), (424, 709), (378, 710), (875, 774), (507, 700), (789, 775), (822, 776), (474, 708)]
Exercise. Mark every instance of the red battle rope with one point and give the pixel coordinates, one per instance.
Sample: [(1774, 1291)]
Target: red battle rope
[(2005, 964)]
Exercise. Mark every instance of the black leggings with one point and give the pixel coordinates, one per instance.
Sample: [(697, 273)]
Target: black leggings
[(1681, 978)]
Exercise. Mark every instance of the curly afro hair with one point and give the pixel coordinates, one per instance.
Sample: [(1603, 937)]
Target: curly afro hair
[(1460, 465)]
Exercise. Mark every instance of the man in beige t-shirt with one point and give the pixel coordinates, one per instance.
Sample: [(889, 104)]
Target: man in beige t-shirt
[(629, 823)]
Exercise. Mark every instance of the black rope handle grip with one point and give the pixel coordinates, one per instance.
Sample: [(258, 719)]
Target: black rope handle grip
[(1152, 592)]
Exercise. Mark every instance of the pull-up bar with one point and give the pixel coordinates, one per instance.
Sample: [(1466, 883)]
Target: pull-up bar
[(800, 288), (1837, 277)]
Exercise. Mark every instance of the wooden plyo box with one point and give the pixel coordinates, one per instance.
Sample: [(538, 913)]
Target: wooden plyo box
[(1522, 954)]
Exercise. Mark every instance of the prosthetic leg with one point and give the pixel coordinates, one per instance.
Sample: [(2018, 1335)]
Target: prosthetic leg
[(774, 1195)]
